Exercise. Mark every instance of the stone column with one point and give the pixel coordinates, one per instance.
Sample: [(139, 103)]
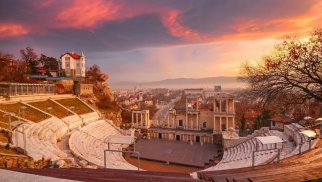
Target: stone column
[(234, 122), (198, 121), (132, 119), (227, 122), (220, 120), (168, 120), (173, 121), (15, 89), (137, 119), (186, 115), (227, 105), (215, 123), (219, 105)]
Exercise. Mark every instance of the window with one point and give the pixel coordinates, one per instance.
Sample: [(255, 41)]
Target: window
[(204, 124), (67, 72), (67, 58), (224, 106), (180, 123), (78, 65), (67, 64)]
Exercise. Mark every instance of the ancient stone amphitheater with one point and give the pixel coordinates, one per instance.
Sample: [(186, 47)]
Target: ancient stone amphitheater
[(67, 133)]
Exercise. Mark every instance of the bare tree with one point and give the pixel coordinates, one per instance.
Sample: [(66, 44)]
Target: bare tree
[(11, 69), (292, 73), (30, 57)]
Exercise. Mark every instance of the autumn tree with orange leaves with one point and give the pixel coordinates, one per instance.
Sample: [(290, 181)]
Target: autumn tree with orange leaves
[(292, 73)]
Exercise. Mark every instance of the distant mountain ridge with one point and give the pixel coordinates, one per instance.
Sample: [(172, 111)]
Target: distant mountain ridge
[(208, 82)]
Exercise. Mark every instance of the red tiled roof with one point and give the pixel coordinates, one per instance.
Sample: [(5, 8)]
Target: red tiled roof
[(73, 55), (44, 70)]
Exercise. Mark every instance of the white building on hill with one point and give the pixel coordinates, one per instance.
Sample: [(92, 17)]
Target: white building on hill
[(73, 64)]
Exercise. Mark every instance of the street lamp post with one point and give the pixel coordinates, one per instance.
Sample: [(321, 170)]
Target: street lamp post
[(9, 114), (49, 109), (23, 110), (71, 108)]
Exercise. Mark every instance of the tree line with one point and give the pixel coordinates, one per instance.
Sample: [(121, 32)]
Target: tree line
[(13, 69)]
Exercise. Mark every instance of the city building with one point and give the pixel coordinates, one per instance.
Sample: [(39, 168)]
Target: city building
[(193, 91), (195, 123), (82, 89), (141, 118)]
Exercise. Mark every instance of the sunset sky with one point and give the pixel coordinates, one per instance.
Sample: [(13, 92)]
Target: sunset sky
[(147, 40)]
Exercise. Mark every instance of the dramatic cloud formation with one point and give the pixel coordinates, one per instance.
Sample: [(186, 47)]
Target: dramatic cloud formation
[(84, 14), (12, 30), (152, 38)]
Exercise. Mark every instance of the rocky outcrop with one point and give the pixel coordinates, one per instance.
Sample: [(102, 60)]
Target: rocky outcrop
[(115, 117)]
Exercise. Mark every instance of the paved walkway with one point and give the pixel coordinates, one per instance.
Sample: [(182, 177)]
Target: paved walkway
[(12, 176)]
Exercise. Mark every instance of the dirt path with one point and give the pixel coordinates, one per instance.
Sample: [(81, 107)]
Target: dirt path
[(159, 166)]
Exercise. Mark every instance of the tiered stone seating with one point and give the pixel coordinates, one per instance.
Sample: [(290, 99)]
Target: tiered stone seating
[(301, 141), (57, 126), (307, 166), (90, 117), (40, 142), (89, 144), (28, 113), (288, 146), (73, 121), (240, 155)]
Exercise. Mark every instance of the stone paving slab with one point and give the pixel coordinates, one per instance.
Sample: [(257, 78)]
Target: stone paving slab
[(177, 152), (12, 176)]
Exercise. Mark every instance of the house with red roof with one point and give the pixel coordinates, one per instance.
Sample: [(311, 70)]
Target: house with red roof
[(73, 65)]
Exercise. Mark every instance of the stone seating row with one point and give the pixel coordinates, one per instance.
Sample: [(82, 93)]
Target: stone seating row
[(90, 117), (241, 155), (73, 121), (305, 167), (39, 142), (89, 144), (57, 126), (301, 141)]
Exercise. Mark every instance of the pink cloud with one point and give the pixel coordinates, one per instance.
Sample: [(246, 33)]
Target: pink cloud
[(82, 14), (177, 29), (85, 14), (12, 30)]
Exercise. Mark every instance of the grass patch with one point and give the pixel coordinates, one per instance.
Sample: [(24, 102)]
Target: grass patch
[(3, 137), (75, 105), (56, 110), (4, 120), (28, 113)]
